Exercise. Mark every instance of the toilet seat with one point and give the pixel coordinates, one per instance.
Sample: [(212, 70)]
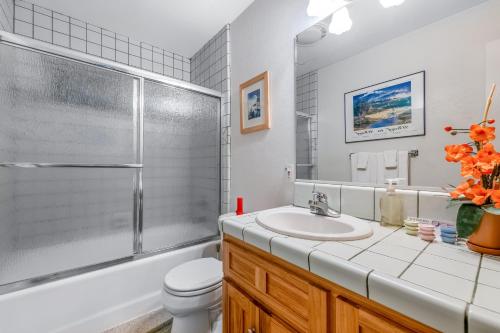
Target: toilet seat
[(194, 278)]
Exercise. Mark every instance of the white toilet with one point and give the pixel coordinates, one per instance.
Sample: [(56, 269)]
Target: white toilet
[(191, 292)]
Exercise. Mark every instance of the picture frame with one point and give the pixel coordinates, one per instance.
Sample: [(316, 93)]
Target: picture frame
[(386, 110), (255, 113)]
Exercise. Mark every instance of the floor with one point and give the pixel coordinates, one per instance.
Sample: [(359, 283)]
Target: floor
[(154, 322)]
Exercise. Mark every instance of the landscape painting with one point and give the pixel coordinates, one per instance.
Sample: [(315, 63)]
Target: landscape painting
[(383, 107), (391, 109)]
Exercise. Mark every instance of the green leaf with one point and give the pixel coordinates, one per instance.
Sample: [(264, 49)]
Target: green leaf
[(468, 219)]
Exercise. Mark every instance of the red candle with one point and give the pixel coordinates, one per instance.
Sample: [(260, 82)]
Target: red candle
[(239, 205)]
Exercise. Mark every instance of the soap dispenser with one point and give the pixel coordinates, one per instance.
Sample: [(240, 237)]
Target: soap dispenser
[(391, 205)]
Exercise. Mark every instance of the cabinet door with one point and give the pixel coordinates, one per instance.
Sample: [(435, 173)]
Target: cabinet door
[(240, 314), (268, 324), (351, 319)]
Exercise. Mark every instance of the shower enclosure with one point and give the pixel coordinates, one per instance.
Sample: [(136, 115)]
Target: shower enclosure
[(100, 163)]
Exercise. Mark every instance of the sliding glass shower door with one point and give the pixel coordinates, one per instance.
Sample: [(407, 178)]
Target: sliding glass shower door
[(181, 165), (72, 173)]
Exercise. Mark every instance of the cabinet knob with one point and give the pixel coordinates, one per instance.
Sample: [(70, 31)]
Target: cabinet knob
[(251, 330)]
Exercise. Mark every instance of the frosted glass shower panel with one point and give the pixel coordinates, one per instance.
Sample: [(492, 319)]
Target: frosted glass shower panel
[(56, 110), (55, 219), (181, 166)]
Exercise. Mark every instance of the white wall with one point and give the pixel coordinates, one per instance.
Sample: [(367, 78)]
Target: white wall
[(453, 54), (262, 39)]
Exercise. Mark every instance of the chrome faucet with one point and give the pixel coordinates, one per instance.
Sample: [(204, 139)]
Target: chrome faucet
[(319, 205)]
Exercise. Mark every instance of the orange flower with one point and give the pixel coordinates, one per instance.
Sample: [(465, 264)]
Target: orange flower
[(478, 194), (487, 153), (495, 196), (455, 153), (469, 167), (462, 189), (482, 133)]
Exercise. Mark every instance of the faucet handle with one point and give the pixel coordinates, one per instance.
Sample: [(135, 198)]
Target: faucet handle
[(320, 196)]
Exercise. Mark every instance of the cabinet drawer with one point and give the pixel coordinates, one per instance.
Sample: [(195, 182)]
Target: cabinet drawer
[(300, 304), (350, 318)]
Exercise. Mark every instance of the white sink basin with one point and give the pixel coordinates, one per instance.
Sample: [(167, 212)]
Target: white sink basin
[(299, 222)]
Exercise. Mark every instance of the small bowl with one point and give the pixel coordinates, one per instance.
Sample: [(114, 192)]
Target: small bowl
[(407, 227), (426, 237), (426, 227), (448, 229), (412, 232), (449, 240), (411, 223)]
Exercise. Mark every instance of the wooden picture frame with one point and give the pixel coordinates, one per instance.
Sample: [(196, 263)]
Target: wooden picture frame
[(255, 113)]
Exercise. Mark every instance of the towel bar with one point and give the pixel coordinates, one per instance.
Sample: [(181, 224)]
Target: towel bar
[(412, 153)]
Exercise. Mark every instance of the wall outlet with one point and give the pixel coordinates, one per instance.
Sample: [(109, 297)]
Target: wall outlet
[(290, 172)]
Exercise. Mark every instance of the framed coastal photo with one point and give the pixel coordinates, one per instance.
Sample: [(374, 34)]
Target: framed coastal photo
[(387, 110), (254, 104)]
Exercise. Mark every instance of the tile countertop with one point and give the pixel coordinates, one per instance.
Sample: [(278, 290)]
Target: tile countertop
[(445, 286)]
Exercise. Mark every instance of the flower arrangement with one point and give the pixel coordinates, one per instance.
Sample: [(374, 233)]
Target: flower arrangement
[(480, 162)]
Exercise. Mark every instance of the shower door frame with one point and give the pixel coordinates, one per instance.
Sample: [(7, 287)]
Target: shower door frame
[(141, 75)]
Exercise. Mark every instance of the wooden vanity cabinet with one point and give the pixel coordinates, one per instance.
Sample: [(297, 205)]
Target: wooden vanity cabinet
[(265, 294)]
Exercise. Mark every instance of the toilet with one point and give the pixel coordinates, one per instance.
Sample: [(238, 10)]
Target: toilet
[(192, 292)]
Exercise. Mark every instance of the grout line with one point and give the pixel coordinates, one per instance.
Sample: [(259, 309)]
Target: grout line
[(414, 259), (367, 285), (309, 258), (466, 318), (477, 279), (434, 290)]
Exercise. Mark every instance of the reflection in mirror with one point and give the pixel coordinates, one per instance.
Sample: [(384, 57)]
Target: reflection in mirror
[(373, 97)]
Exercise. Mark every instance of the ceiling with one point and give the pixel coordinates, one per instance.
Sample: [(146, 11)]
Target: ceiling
[(182, 26), (373, 25)]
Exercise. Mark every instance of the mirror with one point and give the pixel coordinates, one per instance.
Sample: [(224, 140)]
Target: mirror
[(373, 101)]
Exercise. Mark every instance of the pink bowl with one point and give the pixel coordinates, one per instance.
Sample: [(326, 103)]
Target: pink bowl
[(426, 237), (426, 227)]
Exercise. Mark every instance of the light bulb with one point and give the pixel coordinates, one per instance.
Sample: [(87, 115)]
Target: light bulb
[(341, 22), (391, 3), (323, 8)]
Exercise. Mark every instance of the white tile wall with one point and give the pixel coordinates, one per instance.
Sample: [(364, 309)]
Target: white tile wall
[(358, 201), (43, 24), (306, 103), (333, 194), (211, 68), (302, 194), (436, 205), (7, 15), (363, 201), (410, 202)]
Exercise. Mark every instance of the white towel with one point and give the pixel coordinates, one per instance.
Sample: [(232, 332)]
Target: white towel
[(404, 167), (362, 161), (368, 175), (384, 173), (390, 159), (354, 167)]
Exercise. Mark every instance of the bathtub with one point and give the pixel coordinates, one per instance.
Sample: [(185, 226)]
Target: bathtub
[(94, 301)]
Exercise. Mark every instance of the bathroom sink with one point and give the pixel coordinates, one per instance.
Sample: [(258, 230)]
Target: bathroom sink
[(299, 222)]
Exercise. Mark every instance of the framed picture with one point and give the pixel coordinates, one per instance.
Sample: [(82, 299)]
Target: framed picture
[(391, 109), (254, 104)]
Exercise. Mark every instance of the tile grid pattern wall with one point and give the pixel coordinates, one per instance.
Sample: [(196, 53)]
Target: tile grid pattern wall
[(363, 201), (7, 15), (211, 68), (306, 106), (52, 27)]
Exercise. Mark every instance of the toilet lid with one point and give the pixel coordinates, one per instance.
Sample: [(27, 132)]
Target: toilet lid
[(194, 275)]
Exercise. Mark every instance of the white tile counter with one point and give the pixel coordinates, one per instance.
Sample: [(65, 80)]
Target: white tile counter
[(445, 286)]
